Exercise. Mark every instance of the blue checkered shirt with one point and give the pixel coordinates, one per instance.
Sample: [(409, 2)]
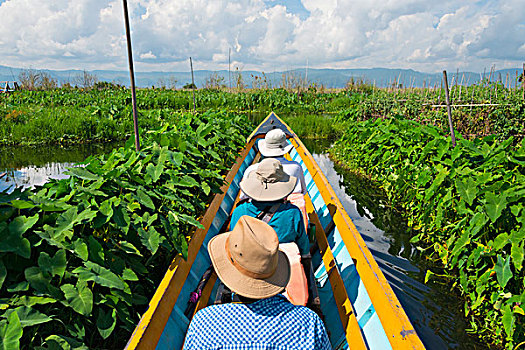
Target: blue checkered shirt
[(267, 324)]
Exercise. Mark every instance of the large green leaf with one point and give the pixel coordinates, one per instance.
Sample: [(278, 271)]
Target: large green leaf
[(477, 223), (467, 190), (462, 241), (37, 280), (175, 158), (503, 272), (508, 320), (501, 241), (79, 297), (60, 342), (15, 244), (29, 316), (80, 248), (96, 251), (100, 275), (86, 215), (106, 208), (129, 275), (21, 204), (10, 333), (517, 253), (55, 266), (155, 171), (129, 248), (144, 199), (106, 322), (440, 177), (12, 241), (82, 173), (121, 218), (30, 301), (3, 273), (150, 239), (21, 224), (494, 205), (66, 220)]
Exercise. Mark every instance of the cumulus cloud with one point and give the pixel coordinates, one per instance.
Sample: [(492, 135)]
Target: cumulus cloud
[(264, 34)]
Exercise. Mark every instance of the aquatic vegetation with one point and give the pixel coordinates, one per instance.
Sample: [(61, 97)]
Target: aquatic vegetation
[(466, 204), (73, 115), (81, 257)]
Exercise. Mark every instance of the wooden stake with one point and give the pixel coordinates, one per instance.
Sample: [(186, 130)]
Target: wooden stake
[(523, 81), (229, 69), (449, 110), (192, 85), (131, 76)]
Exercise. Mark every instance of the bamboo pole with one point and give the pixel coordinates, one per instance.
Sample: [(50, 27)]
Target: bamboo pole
[(523, 81), (193, 85), (449, 110), (131, 76)]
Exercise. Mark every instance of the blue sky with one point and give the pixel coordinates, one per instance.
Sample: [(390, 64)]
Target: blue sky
[(264, 34)]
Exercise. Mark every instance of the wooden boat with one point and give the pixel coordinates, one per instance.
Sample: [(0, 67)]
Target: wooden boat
[(360, 308)]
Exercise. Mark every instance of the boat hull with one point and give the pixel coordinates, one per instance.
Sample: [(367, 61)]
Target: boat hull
[(359, 307)]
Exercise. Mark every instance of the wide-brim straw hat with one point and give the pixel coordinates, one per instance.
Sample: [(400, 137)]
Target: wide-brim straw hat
[(274, 144), (269, 182), (248, 260)]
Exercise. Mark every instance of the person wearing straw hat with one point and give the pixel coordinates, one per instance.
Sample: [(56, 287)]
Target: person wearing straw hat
[(268, 186), (274, 145), (248, 261)]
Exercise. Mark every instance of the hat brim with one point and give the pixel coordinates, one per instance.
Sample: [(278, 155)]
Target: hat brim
[(273, 152), (244, 285), (269, 191)]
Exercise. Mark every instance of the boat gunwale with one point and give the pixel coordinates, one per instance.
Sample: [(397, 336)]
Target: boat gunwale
[(396, 324)]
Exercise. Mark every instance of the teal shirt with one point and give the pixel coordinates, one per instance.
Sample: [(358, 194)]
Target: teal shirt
[(287, 222)]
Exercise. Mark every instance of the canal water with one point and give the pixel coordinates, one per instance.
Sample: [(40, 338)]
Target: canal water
[(27, 166), (433, 309)]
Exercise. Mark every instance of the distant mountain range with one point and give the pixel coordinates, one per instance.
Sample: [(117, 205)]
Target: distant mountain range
[(329, 78)]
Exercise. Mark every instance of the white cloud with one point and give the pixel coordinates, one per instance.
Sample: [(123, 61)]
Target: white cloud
[(147, 56), (264, 35)]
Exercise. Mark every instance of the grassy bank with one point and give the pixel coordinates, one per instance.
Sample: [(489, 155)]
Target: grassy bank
[(77, 116)]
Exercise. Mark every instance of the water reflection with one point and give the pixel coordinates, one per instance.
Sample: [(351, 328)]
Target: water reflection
[(433, 309), (28, 166), (32, 175)]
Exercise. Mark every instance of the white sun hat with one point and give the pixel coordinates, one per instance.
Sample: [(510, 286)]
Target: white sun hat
[(269, 182), (274, 144)]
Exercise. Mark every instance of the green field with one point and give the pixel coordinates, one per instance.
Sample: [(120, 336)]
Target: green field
[(79, 258)]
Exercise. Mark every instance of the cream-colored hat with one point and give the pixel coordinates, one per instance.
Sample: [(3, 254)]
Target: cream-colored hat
[(269, 182), (274, 144), (248, 260)]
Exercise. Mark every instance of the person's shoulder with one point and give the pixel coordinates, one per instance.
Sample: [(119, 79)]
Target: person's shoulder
[(305, 314), (291, 164), (292, 207), (209, 312), (243, 206)]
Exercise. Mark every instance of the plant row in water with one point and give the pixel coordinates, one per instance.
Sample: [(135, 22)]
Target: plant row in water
[(467, 205), (81, 257), (71, 116)]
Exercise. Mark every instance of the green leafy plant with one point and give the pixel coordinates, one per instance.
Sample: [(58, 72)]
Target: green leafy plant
[(81, 257), (466, 205)]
